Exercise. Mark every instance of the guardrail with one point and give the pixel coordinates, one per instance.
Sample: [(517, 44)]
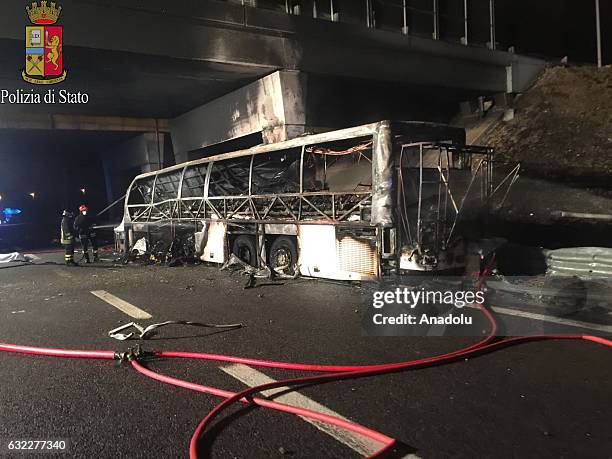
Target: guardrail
[(436, 19)]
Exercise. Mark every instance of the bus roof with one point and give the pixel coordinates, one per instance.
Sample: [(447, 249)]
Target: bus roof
[(445, 131)]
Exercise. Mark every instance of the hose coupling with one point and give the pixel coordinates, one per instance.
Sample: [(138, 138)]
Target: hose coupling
[(133, 353)]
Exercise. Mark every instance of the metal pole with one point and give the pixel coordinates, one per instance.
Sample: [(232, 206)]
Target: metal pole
[(598, 26), (492, 23), (436, 22), (159, 159), (332, 13), (369, 21), (251, 175), (419, 236), (111, 205), (302, 169), (465, 22), (405, 11)]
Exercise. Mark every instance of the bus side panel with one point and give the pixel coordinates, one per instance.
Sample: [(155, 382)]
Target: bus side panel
[(214, 248), (322, 254)]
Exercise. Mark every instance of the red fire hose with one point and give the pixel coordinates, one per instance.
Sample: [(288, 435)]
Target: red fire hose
[(57, 352), (338, 373), (388, 442), (334, 373), (378, 370)]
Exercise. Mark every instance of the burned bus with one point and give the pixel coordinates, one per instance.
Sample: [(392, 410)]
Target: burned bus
[(353, 204)]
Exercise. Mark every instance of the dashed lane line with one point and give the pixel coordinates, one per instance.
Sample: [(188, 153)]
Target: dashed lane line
[(551, 319), (357, 443), (122, 305)]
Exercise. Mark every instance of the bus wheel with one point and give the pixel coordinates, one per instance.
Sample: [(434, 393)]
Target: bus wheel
[(283, 255), (244, 248)]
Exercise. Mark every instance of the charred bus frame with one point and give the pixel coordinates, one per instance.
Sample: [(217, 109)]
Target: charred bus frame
[(331, 205)]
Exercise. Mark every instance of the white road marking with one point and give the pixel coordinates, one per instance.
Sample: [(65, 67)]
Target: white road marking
[(551, 319), (252, 378), (122, 305)]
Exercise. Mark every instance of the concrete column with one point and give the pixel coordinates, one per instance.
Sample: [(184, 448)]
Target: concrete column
[(108, 181), (273, 105), (153, 151), (123, 161)]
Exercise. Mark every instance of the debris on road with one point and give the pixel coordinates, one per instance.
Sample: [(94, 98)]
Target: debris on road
[(237, 265), (146, 333), (175, 252), (15, 257)]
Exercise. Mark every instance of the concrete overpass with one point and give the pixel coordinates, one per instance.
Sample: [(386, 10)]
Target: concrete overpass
[(214, 71)]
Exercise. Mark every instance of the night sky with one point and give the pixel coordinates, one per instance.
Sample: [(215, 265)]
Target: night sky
[(546, 28), (555, 28)]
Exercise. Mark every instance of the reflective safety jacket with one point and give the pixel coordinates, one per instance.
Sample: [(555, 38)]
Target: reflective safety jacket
[(67, 237)]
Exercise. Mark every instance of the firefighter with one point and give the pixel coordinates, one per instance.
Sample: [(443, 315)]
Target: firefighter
[(67, 237), (83, 226)]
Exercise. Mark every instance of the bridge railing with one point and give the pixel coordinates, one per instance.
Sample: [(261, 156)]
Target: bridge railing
[(470, 22)]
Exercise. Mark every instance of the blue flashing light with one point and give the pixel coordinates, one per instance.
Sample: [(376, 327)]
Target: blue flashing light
[(9, 211)]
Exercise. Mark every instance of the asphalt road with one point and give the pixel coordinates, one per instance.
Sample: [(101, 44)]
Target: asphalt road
[(548, 399)]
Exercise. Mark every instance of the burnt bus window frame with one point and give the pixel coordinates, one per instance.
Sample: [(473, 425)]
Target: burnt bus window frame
[(230, 171), (335, 207), (271, 158), (186, 177), (137, 187), (135, 209), (163, 186), (333, 154), (234, 194)]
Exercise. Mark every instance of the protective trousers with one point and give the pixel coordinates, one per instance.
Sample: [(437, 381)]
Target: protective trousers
[(86, 240)]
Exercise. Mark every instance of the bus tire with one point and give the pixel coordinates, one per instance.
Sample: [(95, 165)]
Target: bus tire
[(283, 252), (245, 249)]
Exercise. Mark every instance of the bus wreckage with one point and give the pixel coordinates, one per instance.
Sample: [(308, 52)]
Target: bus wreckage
[(361, 203)]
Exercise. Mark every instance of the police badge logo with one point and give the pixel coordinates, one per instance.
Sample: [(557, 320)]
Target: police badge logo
[(44, 42)]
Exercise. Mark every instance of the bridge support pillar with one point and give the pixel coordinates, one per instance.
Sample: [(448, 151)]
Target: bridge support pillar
[(273, 106), (145, 152)]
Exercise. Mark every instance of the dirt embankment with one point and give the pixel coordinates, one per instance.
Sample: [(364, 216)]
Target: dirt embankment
[(563, 124), (562, 135)]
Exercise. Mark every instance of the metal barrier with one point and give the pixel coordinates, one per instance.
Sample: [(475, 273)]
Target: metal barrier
[(427, 18), (580, 262)]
